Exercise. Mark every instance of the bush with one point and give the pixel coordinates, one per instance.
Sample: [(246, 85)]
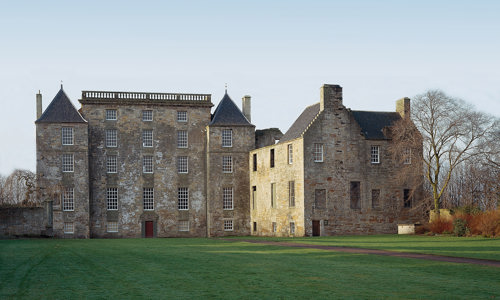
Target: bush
[(459, 227), (441, 225), (489, 223)]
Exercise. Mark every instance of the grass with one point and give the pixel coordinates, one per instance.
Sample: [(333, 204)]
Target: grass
[(218, 269), (473, 247)]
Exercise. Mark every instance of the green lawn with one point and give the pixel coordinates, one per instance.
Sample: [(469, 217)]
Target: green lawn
[(218, 269), (473, 247)]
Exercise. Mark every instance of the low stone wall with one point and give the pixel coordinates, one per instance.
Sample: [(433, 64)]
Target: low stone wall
[(22, 222)]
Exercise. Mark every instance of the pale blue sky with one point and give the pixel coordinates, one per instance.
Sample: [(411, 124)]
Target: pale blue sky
[(279, 52)]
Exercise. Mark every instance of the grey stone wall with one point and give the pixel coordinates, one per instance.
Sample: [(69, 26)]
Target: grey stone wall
[(22, 222), (130, 178), (51, 180)]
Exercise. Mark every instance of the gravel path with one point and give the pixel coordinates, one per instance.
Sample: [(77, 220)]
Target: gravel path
[(463, 260)]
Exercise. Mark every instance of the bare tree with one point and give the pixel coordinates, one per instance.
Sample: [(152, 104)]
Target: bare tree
[(452, 132), (19, 189)]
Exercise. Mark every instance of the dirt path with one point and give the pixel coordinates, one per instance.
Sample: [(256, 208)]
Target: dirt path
[(463, 260)]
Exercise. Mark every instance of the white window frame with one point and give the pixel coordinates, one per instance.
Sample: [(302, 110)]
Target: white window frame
[(112, 198), (182, 139), (67, 136), (227, 138), (147, 138), (182, 116), (182, 164), (227, 164), (111, 115), (147, 115), (407, 156), (183, 198), (148, 198), (227, 198), (375, 154), (228, 225), (318, 152), (290, 154), (291, 193), (292, 227), (68, 163), (111, 138), (112, 226), (147, 164), (183, 225), (68, 199), (111, 164), (69, 228)]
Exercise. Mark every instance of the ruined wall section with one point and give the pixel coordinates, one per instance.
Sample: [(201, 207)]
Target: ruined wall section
[(274, 219), (52, 181), (130, 179), (238, 179)]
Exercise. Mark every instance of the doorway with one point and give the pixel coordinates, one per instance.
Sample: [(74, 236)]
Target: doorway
[(316, 228), (149, 229)]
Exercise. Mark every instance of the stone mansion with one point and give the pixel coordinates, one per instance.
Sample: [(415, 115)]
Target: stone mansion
[(132, 164)]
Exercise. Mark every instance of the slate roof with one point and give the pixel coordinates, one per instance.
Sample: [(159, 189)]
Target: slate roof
[(300, 125), (372, 122), (61, 110), (227, 113)]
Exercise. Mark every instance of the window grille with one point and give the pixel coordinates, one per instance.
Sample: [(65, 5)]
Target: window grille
[(67, 163), (227, 138), (227, 198), (227, 164), (183, 198), (112, 198), (147, 138), (67, 135), (148, 198), (68, 199), (182, 139)]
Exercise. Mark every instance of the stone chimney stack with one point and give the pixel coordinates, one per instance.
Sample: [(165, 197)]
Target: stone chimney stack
[(330, 97), (403, 107), (247, 107), (38, 105)]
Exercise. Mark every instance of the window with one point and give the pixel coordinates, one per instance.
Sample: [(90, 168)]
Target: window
[(182, 164), (376, 198), (112, 198), (183, 225), (111, 138), (255, 226), (319, 198), (112, 227), (274, 226), (67, 163), (407, 198), (227, 164), (148, 198), (407, 156), (147, 164), (290, 153), (255, 162), (111, 114), (111, 164), (147, 138), (227, 198), (147, 115), (254, 196), (292, 227), (227, 138), (272, 158), (228, 225), (355, 195), (273, 194), (375, 154), (68, 199), (67, 135), (182, 116), (68, 227), (183, 198), (291, 193), (182, 139), (318, 152)]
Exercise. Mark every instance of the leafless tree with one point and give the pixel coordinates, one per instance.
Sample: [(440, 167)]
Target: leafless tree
[(19, 189), (452, 132)]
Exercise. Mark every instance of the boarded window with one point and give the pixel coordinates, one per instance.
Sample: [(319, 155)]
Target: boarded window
[(376, 198), (407, 198), (355, 195), (272, 158), (320, 199)]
